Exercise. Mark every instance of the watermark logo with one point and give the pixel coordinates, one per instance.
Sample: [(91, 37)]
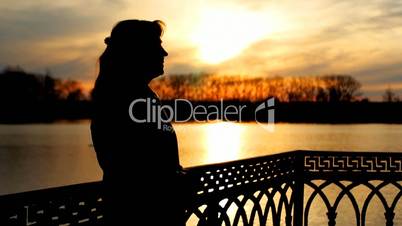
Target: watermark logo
[(266, 107), (149, 110)]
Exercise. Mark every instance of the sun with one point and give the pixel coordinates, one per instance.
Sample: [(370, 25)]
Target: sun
[(223, 33)]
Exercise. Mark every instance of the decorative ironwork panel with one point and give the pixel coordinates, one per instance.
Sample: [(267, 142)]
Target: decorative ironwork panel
[(71, 205), (330, 195), (246, 192), (355, 178)]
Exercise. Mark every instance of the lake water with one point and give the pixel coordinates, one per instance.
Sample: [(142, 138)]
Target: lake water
[(35, 156)]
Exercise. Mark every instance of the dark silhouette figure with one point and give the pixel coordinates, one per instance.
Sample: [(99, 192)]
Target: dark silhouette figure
[(139, 159)]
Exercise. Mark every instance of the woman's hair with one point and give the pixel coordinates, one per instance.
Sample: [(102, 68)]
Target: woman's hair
[(125, 47), (129, 32), (128, 41)]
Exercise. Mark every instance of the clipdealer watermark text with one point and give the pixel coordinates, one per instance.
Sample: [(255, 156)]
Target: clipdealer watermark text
[(162, 114)]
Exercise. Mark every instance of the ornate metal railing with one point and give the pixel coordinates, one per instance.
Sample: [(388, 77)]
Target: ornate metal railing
[(294, 188), (75, 204)]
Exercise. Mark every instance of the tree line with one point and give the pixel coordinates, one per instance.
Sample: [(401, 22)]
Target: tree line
[(328, 88), (26, 97)]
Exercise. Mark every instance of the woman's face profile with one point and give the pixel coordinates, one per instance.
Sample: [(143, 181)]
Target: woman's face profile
[(153, 60)]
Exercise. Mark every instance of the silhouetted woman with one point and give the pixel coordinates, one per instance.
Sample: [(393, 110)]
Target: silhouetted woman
[(139, 158)]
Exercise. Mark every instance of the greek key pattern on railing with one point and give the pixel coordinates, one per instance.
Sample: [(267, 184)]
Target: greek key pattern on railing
[(350, 162)]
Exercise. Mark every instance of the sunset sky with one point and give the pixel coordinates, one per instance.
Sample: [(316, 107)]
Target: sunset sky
[(250, 37)]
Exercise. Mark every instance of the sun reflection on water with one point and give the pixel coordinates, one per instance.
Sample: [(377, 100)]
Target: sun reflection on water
[(223, 141)]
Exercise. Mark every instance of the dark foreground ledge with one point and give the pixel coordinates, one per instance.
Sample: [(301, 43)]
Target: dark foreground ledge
[(271, 190)]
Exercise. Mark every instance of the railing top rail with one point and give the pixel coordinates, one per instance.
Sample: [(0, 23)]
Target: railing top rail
[(298, 153), (349, 153), (242, 161), (48, 193), (316, 164)]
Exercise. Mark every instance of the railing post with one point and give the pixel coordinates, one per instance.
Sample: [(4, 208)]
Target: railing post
[(299, 189), (331, 217), (213, 212), (389, 217)]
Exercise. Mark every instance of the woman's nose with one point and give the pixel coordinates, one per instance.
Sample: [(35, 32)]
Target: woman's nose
[(164, 52)]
